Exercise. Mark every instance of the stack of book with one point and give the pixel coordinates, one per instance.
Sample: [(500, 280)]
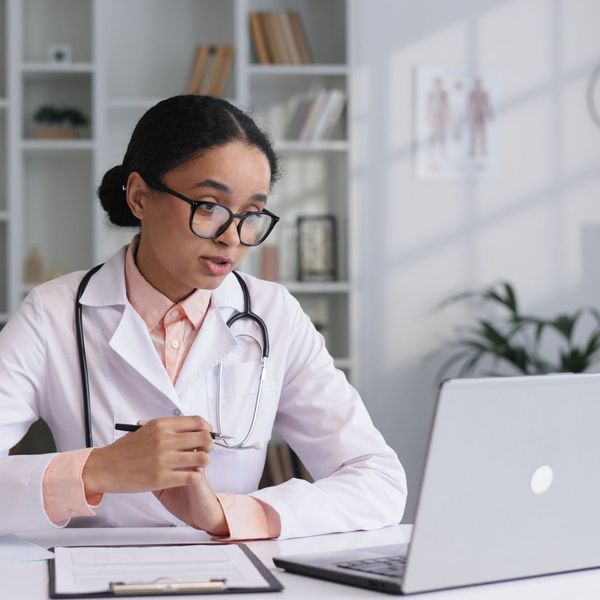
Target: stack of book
[(282, 464), (279, 38), (316, 114), (211, 70)]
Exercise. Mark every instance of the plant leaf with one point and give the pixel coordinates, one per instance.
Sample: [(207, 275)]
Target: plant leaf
[(593, 345), (573, 361), (565, 324), (511, 297)]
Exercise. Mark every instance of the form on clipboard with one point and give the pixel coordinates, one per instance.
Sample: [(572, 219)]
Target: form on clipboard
[(109, 571)]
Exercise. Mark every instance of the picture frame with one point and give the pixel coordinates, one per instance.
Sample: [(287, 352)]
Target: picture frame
[(317, 248), (59, 54)]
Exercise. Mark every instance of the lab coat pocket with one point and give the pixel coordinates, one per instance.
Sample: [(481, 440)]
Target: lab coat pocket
[(239, 385)]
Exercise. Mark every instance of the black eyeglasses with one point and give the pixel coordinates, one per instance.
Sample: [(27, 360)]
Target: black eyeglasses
[(208, 220)]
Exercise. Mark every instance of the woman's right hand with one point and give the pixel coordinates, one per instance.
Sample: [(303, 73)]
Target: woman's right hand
[(164, 453)]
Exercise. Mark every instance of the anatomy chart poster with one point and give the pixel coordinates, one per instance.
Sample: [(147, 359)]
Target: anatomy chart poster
[(455, 128)]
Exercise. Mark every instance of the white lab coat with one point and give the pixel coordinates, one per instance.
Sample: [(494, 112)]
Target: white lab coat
[(360, 481)]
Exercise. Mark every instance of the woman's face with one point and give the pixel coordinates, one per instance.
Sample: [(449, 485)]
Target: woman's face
[(170, 256)]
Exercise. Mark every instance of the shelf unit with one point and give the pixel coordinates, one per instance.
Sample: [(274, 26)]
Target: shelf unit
[(126, 56)]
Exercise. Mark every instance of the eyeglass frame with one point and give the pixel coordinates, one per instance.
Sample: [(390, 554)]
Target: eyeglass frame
[(195, 204)]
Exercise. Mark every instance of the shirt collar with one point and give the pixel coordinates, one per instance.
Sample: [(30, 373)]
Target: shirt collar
[(151, 304)]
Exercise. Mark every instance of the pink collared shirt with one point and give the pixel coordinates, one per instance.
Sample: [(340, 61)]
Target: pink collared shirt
[(172, 328)]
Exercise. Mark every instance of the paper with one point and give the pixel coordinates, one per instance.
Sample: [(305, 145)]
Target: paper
[(15, 550), (92, 569)]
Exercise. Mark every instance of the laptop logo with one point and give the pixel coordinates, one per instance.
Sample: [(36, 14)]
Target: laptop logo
[(541, 479)]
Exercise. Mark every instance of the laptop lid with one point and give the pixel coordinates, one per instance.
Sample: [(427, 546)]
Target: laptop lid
[(511, 486)]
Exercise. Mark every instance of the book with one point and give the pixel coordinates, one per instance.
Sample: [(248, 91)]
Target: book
[(218, 69), (287, 35), (335, 117), (329, 116), (299, 116), (300, 39), (279, 37), (259, 39), (212, 74), (279, 46), (316, 108), (222, 70), (198, 69)]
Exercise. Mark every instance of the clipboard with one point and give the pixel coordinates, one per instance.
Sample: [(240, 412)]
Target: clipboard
[(172, 587)]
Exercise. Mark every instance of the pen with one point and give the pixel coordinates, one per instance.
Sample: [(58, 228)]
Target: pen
[(129, 427)]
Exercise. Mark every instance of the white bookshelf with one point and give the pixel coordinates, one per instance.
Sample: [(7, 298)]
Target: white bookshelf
[(30, 145), (40, 68), (313, 287), (118, 72), (255, 70), (317, 146)]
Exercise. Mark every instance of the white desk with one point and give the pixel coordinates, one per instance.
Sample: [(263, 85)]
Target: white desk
[(30, 581)]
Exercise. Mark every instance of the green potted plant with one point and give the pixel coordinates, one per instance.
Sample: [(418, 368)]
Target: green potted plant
[(516, 340), (52, 122)]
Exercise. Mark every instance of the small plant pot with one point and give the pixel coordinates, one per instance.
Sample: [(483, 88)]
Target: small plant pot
[(55, 132)]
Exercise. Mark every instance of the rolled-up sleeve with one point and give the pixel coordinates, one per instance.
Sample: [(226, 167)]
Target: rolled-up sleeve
[(63, 489)]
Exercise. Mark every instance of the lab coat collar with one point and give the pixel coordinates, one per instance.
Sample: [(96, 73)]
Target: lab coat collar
[(107, 286), (132, 341), (129, 337), (214, 340), (228, 294)]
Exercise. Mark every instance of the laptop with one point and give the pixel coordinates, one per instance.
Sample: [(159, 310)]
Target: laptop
[(510, 489)]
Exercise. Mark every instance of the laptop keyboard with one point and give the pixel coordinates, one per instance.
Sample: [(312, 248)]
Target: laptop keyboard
[(390, 566)]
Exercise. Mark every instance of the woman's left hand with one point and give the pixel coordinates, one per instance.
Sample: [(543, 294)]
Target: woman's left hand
[(197, 505)]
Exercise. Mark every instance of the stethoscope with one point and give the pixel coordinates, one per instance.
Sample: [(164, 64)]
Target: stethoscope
[(245, 314)]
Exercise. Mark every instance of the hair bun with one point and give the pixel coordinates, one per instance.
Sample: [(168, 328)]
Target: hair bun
[(113, 199)]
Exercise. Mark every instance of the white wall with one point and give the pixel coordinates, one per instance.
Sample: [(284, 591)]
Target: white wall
[(536, 224)]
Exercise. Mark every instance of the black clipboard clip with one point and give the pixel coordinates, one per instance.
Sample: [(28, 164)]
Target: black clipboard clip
[(166, 585)]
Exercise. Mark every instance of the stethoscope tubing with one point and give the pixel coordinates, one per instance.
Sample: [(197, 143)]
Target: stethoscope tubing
[(85, 380), (245, 314)]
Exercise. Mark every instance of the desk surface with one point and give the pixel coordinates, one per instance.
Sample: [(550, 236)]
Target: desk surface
[(30, 581)]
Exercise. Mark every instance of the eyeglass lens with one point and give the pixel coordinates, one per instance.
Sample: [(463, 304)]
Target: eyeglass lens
[(209, 220)]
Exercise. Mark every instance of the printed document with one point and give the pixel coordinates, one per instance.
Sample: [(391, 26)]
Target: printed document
[(15, 550), (92, 569)]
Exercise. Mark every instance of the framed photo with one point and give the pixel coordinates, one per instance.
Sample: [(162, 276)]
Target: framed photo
[(59, 54), (317, 243)]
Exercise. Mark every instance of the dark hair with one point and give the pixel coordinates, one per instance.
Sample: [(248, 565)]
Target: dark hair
[(171, 133)]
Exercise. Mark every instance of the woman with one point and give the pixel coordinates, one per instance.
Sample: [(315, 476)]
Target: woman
[(195, 179)]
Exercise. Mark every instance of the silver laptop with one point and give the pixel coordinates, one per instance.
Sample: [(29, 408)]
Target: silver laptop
[(511, 489)]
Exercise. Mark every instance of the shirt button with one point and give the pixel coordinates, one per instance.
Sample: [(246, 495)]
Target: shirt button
[(175, 344), (176, 412), (175, 312)]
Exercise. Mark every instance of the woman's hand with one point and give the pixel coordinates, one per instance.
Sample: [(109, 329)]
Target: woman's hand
[(164, 453), (167, 456), (197, 505)]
